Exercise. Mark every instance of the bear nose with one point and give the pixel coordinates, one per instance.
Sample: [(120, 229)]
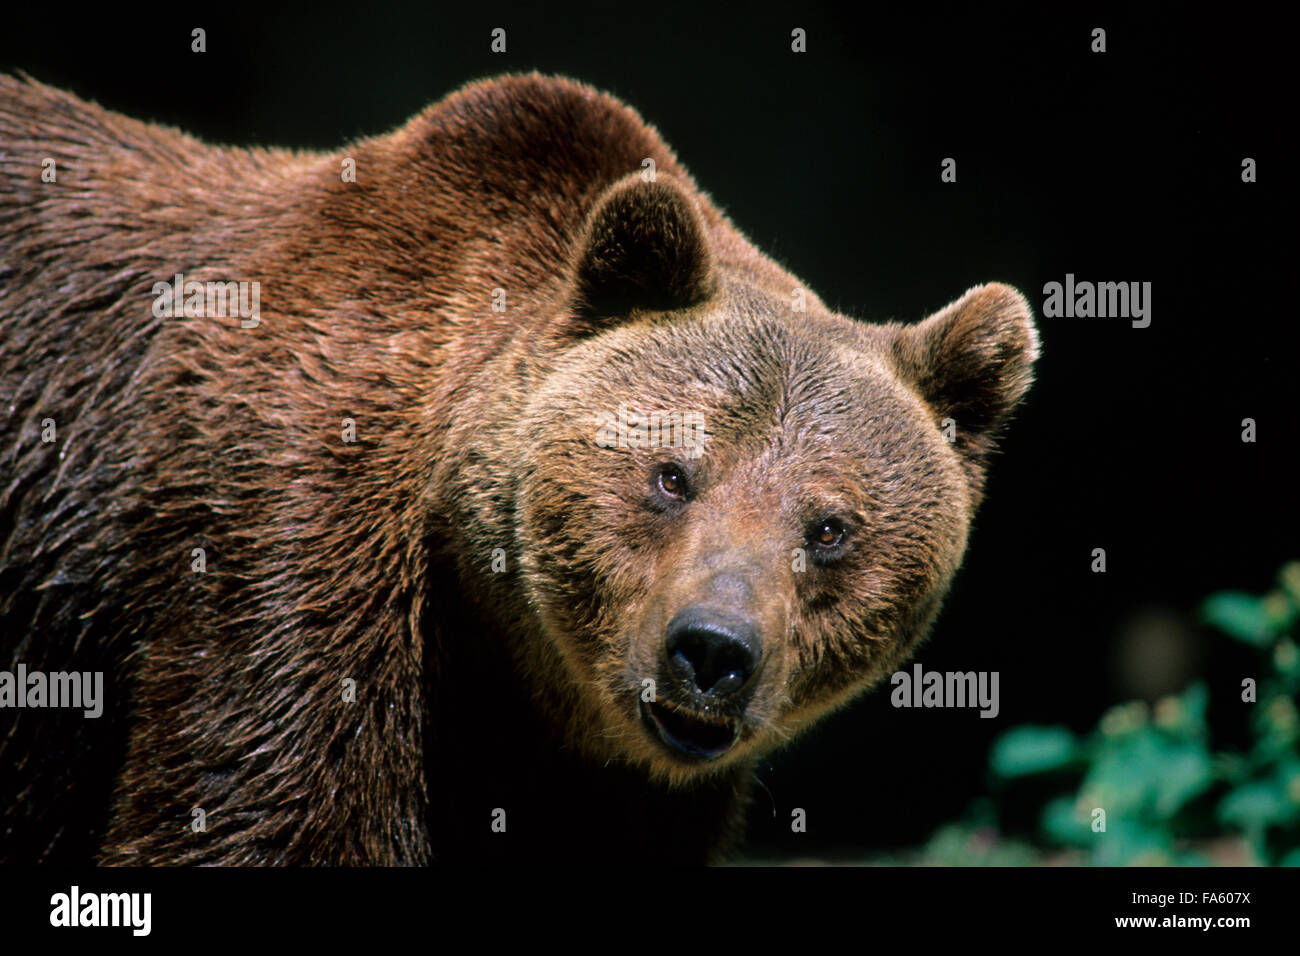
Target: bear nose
[(713, 651)]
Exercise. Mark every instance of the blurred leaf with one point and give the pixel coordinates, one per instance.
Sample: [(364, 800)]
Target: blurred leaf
[(1258, 846), (1063, 822), (1148, 772), (1186, 774), (1286, 658), (1184, 714), (1254, 806), (1291, 859), (1232, 767), (964, 845), (1289, 578), (1281, 612), (1128, 842), (1276, 724), (1239, 615), (1196, 699), (1124, 719), (1031, 749)]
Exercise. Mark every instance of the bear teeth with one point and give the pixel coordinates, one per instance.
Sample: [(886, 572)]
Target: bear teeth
[(695, 715)]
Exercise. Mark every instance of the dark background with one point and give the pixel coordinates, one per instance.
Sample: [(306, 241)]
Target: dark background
[(1122, 166)]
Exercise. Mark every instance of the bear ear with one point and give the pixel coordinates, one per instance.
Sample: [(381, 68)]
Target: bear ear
[(643, 247), (972, 361)]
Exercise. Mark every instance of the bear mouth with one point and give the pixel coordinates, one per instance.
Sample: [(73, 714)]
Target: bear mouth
[(691, 733)]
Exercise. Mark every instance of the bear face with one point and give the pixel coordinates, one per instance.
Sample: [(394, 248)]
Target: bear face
[(733, 516)]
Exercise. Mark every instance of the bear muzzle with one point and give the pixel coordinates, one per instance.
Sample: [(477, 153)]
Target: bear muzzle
[(710, 666)]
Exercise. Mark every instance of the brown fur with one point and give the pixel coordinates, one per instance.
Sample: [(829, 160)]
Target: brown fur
[(372, 560)]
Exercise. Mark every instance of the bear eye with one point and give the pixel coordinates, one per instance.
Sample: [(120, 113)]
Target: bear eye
[(827, 534), (671, 482)]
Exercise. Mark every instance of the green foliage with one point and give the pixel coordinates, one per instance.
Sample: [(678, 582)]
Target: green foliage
[(961, 845), (1029, 750), (1144, 784), (1240, 616)]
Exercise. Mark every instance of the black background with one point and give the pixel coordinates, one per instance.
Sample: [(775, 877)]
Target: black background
[(1122, 166)]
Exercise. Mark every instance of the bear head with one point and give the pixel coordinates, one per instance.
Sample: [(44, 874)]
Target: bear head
[(734, 508)]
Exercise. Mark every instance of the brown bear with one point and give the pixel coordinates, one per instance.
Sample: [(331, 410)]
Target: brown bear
[(477, 492)]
